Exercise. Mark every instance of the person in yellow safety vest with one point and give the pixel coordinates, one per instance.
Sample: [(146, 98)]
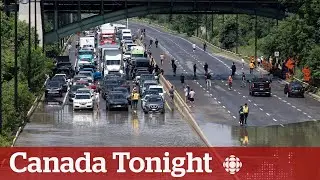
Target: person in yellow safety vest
[(245, 112), (135, 98), (251, 66)]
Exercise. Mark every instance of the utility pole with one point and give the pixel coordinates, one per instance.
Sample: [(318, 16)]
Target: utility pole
[(255, 37), (29, 47), (35, 25), (237, 33), (197, 25), (0, 72), (206, 27), (16, 56)]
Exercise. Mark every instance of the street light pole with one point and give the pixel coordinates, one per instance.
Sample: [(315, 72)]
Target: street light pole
[(29, 47), (35, 25), (0, 72), (16, 56)]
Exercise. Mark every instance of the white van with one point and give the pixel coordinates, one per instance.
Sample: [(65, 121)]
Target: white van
[(126, 31)]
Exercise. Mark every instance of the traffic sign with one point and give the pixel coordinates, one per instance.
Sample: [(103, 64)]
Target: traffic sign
[(276, 54)]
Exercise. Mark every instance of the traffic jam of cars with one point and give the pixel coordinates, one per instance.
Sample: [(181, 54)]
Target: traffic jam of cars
[(111, 66)]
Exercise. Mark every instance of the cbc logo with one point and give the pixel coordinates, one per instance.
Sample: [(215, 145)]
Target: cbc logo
[(232, 164)]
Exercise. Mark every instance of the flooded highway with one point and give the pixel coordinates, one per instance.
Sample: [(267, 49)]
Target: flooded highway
[(61, 126)]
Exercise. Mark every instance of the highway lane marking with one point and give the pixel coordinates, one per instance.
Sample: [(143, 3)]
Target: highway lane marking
[(229, 112), (249, 100), (204, 89), (284, 101), (310, 117), (224, 107), (304, 113), (299, 109), (244, 96), (261, 109), (274, 120), (239, 93), (267, 114), (211, 95), (255, 104), (234, 117), (215, 98), (200, 85), (314, 120), (279, 98), (293, 107), (219, 102), (208, 92), (281, 125), (289, 103)]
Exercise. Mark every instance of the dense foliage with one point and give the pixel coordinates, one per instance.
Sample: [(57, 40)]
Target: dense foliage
[(40, 66), (297, 36)]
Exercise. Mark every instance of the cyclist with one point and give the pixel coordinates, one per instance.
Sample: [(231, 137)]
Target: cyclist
[(205, 67), (156, 42), (162, 58), (230, 82), (193, 47)]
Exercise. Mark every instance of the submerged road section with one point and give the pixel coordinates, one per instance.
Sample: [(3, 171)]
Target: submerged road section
[(59, 125)]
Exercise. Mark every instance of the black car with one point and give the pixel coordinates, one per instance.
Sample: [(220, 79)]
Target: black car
[(260, 86), (124, 91), (62, 80), (154, 103), (73, 91), (295, 89), (117, 101), (54, 88)]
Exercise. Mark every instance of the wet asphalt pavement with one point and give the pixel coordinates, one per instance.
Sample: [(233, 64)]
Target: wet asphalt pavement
[(58, 125), (273, 121)]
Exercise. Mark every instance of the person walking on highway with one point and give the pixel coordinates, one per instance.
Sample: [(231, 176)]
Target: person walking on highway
[(208, 80), (230, 82), (182, 79), (233, 69), (243, 80), (186, 93), (174, 68), (194, 71), (241, 115), (204, 46), (193, 47), (245, 112), (162, 58), (205, 67), (156, 42), (171, 93), (251, 66), (97, 99), (135, 98), (191, 97), (151, 42), (172, 62)]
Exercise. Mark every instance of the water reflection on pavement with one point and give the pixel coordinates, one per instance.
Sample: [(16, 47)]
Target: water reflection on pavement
[(56, 126)]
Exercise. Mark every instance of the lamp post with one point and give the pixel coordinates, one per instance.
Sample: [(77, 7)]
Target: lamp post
[(29, 47), (16, 56)]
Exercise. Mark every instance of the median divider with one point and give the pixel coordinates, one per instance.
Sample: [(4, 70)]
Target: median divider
[(35, 103)]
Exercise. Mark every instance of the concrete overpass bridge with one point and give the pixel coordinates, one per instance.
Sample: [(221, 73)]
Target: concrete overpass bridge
[(67, 16)]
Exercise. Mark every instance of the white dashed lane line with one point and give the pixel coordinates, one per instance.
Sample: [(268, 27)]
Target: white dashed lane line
[(274, 120), (261, 109), (281, 125), (267, 114), (299, 109), (234, 117)]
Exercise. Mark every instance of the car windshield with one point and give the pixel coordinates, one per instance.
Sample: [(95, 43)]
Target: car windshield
[(82, 96), (149, 84), (123, 90), (147, 77), (127, 54), (296, 86), (87, 74), (155, 99), (63, 64), (77, 78), (113, 62), (159, 90), (117, 96), (75, 88), (151, 92), (85, 53), (58, 78), (86, 59), (54, 84), (83, 91)]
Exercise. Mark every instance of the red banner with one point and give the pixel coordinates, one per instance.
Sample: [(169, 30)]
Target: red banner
[(159, 163)]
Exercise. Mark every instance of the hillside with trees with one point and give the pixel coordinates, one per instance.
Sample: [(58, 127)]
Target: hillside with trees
[(297, 36), (40, 66)]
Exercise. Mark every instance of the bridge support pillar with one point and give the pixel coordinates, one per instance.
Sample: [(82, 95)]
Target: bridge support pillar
[(36, 15)]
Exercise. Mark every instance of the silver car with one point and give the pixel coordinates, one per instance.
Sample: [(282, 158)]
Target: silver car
[(154, 103)]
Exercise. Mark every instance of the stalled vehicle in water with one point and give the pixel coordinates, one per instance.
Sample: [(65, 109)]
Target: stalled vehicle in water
[(154, 103)]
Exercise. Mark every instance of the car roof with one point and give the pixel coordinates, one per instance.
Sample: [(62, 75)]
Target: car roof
[(155, 86), (150, 81), (83, 94), (260, 79)]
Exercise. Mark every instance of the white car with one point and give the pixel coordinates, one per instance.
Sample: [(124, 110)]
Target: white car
[(158, 88), (85, 91), (83, 101)]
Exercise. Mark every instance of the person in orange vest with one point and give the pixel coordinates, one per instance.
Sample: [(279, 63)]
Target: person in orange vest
[(251, 66)]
